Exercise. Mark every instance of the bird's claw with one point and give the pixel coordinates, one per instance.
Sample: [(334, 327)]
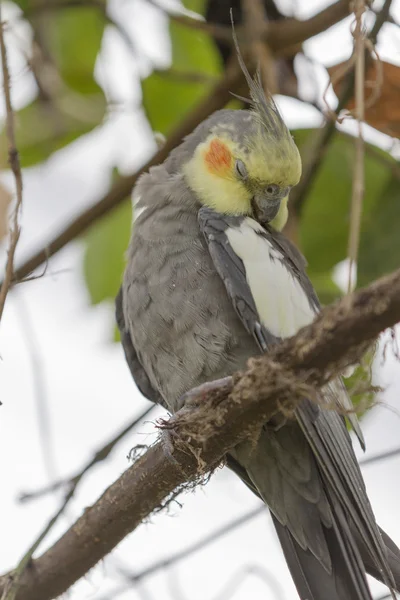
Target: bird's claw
[(189, 400), (193, 397), (167, 444)]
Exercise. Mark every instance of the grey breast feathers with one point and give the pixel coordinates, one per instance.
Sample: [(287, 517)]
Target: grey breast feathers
[(182, 324)]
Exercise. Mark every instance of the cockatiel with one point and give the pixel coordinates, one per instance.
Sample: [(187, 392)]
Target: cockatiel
[(210, 281)]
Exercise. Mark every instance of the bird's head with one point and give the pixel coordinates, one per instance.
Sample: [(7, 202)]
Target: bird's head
[(246, 161)]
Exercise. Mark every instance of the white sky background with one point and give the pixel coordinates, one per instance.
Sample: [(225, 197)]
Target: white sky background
[(86, 384)]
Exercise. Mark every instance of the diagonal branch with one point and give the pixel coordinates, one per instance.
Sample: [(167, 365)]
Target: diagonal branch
[(324, 136), (71, 483), (291, 32), (276, 381), (13, 159), (216, 99), (280, 35)]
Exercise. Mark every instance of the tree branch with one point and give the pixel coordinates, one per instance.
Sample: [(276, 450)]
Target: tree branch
[(279, 35), (203, 435), (72, 482), (290, 32), (13, 159), (324, 136), (358, 187)]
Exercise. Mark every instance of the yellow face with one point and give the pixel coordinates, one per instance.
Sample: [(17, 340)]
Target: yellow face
[(226, 176)]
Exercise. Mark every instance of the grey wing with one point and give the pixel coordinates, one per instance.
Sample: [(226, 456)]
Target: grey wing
[(331, 444), (231, 270), (296, 263), (308, 499), (137, 371)]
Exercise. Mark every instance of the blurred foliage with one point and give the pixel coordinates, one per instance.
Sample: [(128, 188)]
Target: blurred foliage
[(44, 127), (197, 6), (359, 383), (104, 261), (324, 223), (74, 36), (326, 288), (380, 243), (384, 112), (106, 244), (69, 102), (168, 96)]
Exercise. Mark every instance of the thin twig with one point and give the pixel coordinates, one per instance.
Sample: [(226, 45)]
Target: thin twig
[(219, 32), (13, 159), (238, 579), (39, 386), (218, 96), (225, 593), (358, 174), (282, 36), (383, 158), (172, 559), (379, 457), (255, 18), (99, 456), (275, 381), (44, 6), (185, 76), (11, 591), (323, 137)]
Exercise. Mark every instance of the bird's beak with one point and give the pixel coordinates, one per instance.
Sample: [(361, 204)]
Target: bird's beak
[(266, 208)]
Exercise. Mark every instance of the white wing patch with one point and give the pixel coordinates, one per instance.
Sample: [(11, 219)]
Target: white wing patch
[(137, 210), (280, 300)]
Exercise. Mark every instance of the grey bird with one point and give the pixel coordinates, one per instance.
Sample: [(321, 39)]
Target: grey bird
[(211, 281)]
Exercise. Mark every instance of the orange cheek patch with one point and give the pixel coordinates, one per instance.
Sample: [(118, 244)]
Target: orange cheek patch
[(218, 158)]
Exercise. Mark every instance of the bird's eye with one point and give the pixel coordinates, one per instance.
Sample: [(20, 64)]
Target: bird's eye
[(272, 189), (240, 169)]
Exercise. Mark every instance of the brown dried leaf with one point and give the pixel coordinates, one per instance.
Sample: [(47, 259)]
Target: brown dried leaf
[(384, 111)]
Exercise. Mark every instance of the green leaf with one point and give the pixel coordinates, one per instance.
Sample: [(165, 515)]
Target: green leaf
[(75, 37), (72, 37), (72, 103), (43, 128), (359, 384), (379, 251), (324, 223), (197, 6), (326, 288), (167, 96), (104, 260)]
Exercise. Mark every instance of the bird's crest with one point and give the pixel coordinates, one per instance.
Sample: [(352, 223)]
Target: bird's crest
[(262, 102)]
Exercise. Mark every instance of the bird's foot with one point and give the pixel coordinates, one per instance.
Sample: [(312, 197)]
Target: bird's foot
[(188, 401), (193, 397), (167, 443)]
